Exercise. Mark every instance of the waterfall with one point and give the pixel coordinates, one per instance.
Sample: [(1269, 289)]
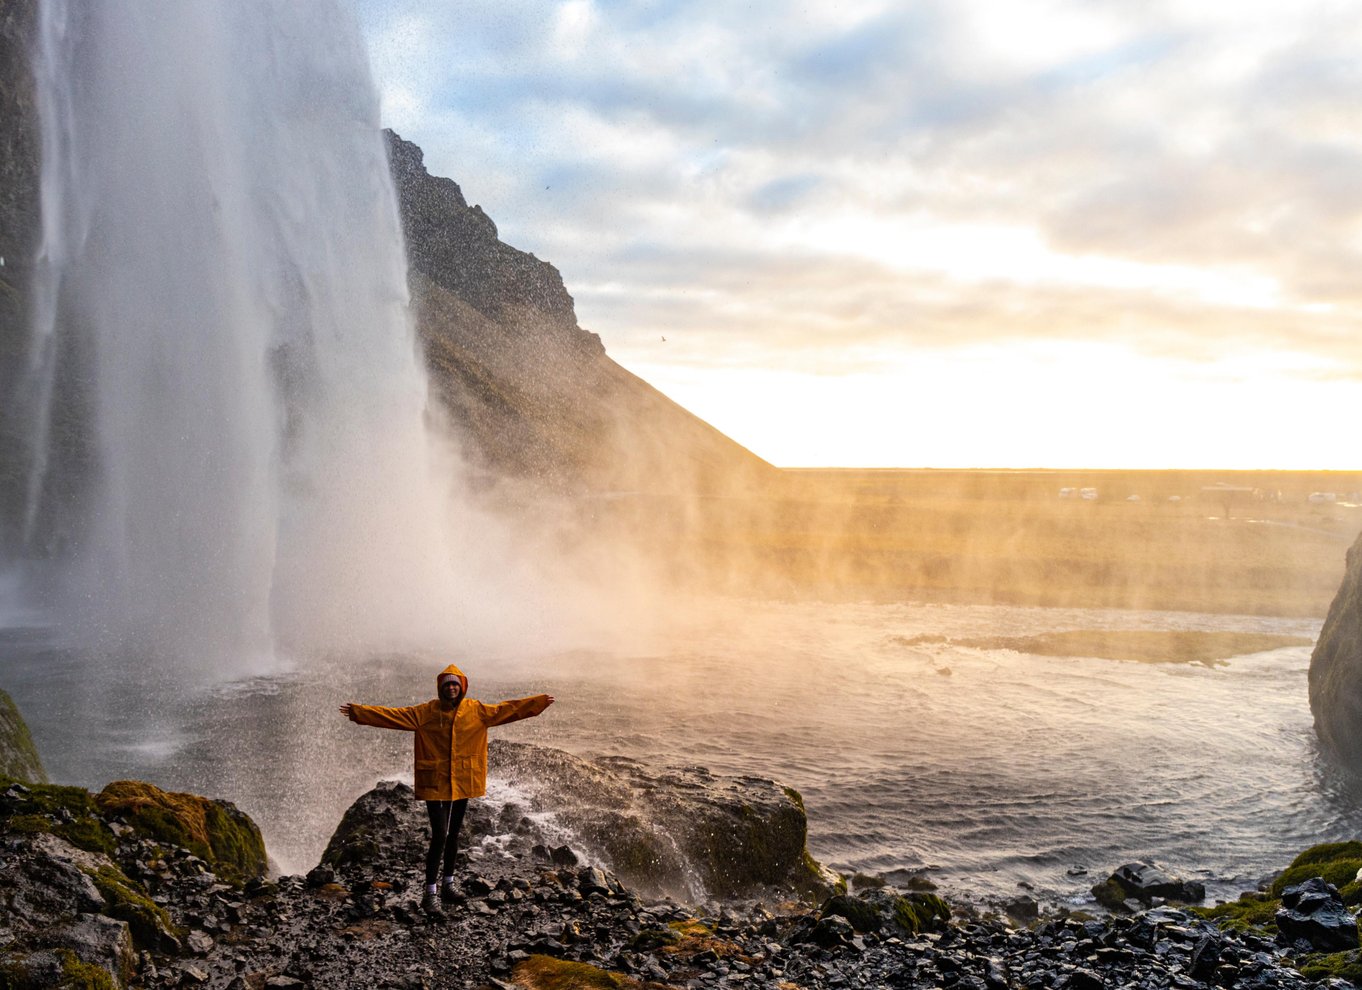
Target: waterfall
[(222, 350)]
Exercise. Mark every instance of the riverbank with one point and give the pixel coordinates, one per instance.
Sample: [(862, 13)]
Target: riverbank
[(94, 893)]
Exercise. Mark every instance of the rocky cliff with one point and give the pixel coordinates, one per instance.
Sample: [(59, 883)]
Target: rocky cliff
[(1336, 668), (532, 394)]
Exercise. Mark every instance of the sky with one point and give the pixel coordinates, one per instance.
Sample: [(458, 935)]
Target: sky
[(965, 233)]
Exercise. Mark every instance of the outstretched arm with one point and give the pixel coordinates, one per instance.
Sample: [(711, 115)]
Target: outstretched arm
[(513, 711), (384, 718)]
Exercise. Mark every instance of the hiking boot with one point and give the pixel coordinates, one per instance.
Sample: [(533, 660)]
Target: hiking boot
[(450, 893), (430, 903)]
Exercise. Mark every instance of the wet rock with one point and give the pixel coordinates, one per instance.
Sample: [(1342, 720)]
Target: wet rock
[(1146, 882), (1313, 911), (1023, 910), (1336, 668), (659, 827)]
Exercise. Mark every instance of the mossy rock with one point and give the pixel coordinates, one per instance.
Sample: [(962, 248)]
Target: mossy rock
[(148, 923), (1341, 965), (69, 812), (1110, 894), (1336, 862), (18, 756), (920, 912), (77, 975), (863, 916), (547, 973), (215, 831)]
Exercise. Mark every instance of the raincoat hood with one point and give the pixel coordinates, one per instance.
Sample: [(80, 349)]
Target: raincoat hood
[(452, 671)]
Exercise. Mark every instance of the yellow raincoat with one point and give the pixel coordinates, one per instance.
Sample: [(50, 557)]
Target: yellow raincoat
[(451, 744)]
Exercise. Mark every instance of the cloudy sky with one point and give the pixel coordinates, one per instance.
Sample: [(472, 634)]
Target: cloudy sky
[(1105, 233)]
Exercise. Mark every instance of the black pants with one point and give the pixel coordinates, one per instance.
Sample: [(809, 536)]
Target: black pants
[(446, 818)]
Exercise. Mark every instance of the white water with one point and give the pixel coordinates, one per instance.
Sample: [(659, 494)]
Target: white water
[(221, 243)]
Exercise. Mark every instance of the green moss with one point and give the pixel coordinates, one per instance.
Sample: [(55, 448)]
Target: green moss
[(1252, 912), (18, 755), (690, 928), (215, 831), (864, 917), (1110, 894), (920, 912), (1336, 862), (548, 973), (1323, 966), (77, 975), (128, 902), (45, 805)]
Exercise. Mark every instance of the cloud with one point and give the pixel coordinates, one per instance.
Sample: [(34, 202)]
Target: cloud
[(763, 185)]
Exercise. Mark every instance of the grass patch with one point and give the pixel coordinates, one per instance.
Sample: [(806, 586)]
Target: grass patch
[(1323, 966), (1253, 912), (45, 806)]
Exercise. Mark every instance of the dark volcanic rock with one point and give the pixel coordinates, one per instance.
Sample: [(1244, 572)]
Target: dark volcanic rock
[(662, 830), (1336, 668), (1313, 911), (680, 831), (1145, 882)]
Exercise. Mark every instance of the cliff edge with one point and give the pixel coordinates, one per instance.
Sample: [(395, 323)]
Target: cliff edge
[(1336, 668)]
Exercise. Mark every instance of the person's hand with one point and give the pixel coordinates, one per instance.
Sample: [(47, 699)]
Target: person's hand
[(550, 700), (347, 710)]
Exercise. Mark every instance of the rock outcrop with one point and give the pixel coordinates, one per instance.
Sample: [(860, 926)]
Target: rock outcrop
[(681, 831), (1314, 913), (533, 395), (18, 756), (1336, 669), (1145, 884)]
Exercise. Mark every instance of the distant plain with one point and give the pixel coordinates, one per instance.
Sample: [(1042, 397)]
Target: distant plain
[(1230, 542)]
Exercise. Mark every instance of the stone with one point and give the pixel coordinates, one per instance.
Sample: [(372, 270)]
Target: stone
[(1313, 911), (1022, 909), (1145, 882)]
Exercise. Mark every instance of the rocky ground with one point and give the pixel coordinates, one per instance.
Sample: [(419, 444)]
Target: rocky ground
[(93, 894)]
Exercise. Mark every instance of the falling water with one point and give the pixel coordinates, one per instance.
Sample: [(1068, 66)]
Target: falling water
[(221, 287)]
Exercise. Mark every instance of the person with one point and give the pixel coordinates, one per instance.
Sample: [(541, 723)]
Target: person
[(451, 762)]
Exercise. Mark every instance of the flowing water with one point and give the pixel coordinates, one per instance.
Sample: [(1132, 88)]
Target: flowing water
[(228, 446), (993, 771)]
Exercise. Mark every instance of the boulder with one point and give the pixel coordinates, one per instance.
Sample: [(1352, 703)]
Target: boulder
[(678, 831), (1313, 911), (1336, 668), (18, 755), (1145, 882), (675, 830), (215, 831)]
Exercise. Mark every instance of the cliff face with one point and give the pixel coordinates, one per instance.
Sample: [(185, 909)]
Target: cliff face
[(532, 394), (1336, 668)]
